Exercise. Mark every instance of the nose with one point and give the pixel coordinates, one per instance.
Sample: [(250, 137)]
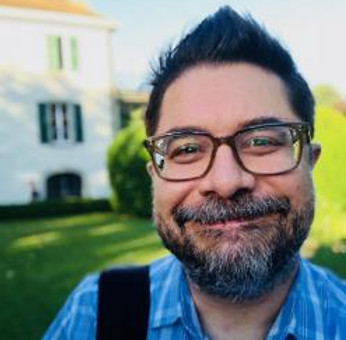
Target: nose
[(226, 177)]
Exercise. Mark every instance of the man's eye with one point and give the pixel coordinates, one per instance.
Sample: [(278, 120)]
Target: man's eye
[(186, 153), (262, 141), (185, 150), (260, 146)]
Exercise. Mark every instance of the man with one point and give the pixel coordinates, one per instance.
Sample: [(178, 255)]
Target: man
[(231, 122)]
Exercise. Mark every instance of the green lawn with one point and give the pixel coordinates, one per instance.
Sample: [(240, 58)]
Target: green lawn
[(41, 260)]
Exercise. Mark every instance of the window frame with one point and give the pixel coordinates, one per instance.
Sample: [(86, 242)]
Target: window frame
[(61, 123)]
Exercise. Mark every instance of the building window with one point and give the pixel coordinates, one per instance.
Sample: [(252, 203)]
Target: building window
[(63, 53), (55, 53), (74, 54), (60, 123)]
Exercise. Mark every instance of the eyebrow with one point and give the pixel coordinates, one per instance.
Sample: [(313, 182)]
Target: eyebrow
[(243, 125), (260, 120), (187, 129)]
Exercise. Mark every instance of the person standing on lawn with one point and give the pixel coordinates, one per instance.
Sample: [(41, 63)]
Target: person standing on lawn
[(230, 121)]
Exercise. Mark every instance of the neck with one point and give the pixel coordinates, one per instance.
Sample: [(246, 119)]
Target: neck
[(251, 320)]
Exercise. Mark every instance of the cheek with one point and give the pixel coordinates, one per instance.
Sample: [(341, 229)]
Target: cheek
[(297, 186), (167, 195)]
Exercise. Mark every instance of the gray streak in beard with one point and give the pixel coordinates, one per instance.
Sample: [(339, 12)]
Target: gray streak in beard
[(241, 207)]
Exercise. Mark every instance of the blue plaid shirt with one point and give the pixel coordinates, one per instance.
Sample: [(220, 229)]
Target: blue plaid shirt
[(315, 308)]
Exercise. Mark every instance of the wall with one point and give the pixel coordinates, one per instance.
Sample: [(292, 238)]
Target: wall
[(25, 81)]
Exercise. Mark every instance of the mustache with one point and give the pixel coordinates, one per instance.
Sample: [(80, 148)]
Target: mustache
[(240, 207)]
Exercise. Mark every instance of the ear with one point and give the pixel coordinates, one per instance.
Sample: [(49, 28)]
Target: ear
[(150, 169), (314, 154)]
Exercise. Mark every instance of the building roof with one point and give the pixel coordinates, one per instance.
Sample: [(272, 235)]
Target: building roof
[(66, 6)]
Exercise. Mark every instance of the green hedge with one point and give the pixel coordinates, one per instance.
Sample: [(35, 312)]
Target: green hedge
[(127, 158), (54, 208)]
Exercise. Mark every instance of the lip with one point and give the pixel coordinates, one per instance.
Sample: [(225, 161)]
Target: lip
[(230, 225), (236, 224)]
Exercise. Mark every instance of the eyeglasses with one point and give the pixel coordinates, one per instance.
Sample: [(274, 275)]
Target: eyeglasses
[(265, 149)]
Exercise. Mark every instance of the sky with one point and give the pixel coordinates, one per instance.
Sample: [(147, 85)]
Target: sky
[(314, 31)]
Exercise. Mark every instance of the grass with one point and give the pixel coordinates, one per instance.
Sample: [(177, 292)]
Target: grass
[(41, 260)]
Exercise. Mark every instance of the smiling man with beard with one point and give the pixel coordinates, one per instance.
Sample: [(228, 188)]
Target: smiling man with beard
[(230, 121)]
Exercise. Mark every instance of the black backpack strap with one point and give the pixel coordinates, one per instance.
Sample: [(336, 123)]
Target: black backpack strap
[(123, 303)]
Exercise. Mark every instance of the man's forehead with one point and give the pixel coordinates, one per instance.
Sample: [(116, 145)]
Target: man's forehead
[(241, 125), (233, 71), (239, 95)]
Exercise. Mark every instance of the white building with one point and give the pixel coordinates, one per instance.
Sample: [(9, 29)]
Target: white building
[(56, 107)]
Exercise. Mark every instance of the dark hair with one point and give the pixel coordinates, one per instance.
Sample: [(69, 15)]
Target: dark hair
[(227, 37)]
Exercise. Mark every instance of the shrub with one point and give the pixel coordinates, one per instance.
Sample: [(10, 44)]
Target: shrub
[(331, 168), (127, 160), (53, 208)]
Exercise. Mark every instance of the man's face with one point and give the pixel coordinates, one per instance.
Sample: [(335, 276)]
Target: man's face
[(238, 259)]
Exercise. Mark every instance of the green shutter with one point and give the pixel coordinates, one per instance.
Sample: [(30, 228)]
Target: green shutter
[(43, 122), (54, 52), (74, 54), (78, 123)]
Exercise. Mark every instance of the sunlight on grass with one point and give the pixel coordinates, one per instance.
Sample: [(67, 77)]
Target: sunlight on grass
[(77, 221), (129, 245), (107, 230), (140, 256), (36, 241)]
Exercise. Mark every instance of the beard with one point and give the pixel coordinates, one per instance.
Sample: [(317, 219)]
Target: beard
[(242, 263)]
